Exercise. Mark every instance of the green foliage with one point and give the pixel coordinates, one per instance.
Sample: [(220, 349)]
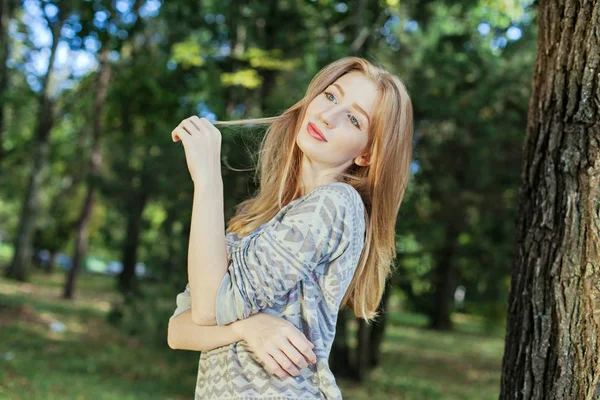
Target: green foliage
[(6, 253), (469, 94)]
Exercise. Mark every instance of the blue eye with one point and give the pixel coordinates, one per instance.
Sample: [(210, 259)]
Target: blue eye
[(327, 94)]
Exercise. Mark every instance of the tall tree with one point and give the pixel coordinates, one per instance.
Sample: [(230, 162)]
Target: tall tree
[(552, 349), (7, 7), (81, 238), (41, 147)]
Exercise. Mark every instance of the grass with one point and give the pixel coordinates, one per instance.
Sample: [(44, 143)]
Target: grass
[(94, 360)]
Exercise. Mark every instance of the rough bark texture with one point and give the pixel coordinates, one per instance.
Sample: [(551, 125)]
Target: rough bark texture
[(81, 240), (552, 342)]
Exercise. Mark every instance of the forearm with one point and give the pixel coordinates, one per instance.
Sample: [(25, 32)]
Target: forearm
[(207, 253), (184, 334)]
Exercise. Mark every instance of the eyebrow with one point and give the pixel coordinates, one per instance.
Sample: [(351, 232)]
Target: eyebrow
[(359, 108)]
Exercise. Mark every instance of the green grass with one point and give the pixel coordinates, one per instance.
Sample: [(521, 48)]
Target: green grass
[(94, 360)]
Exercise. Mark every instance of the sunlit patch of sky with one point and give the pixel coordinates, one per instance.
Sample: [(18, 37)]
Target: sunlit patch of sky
[(414, 167), (78, 62), (513, 33), (341, 7), (484, 28), (411, 25)]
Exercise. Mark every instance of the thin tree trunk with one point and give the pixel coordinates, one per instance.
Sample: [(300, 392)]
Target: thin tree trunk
[(127, 278), (23, 243), (370, 338), (238, 46), (445, 283), (169, 262), (552, 349), (81, 240), (339, 358), (378, 327), (6, 10), (361, 367)]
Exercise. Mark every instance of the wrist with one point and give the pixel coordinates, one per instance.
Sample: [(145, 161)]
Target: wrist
[(211, 184)]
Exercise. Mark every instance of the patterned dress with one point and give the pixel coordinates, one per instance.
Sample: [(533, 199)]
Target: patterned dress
[(297, 266)]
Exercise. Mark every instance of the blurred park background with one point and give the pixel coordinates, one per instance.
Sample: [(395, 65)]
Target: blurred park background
[(95, 198)]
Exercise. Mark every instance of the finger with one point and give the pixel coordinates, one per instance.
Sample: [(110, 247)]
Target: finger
[(285, 362), (177, 133), (206, 124), (189, 127), (180, 134), (196, 121), (292, 353), (271, 364), (303, 345)]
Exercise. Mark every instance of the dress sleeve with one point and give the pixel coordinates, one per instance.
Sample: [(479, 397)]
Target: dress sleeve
[(268, 264), (183, 301)]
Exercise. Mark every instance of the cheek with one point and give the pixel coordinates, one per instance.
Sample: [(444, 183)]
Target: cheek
[(351, 145)]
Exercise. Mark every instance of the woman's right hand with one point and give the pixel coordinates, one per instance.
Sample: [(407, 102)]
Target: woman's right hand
[(277, 342)]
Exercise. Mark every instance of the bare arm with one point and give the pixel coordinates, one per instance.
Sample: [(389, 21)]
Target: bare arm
[(282, 349), (207, 251), (184, 334)]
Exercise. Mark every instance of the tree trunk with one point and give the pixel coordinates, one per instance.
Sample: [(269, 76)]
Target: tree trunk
[(378, 327), (445, 283), (127, 279), (552, 349), (339, 358), (370, 338), (95, 161), (23, 243), (169, 262), (6, 9), (51, 266)]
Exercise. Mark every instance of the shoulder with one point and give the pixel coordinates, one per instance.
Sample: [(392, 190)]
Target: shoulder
[(341, 195), (334, 202)]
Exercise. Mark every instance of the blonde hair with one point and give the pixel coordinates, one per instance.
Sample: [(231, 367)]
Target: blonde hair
[(381, 184)]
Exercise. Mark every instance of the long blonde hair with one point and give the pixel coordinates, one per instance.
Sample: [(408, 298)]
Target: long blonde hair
[(381, 184)]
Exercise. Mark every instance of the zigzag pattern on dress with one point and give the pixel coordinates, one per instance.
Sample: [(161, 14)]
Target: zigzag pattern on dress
[(298, 266)]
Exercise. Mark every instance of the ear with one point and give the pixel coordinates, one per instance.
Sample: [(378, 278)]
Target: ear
[(363, 160)]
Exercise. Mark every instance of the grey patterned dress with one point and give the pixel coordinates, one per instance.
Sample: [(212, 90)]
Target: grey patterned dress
[(297, 266)]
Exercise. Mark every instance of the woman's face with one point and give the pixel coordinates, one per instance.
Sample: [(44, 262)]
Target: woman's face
[(339, 113)]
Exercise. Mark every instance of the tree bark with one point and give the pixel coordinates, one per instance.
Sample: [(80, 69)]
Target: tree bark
[(23, 242), (552, 349), (81, 240)]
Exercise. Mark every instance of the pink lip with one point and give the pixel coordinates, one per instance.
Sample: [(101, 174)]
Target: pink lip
[(315, 132)]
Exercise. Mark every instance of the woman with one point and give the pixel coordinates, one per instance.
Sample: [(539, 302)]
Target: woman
[(319, 235)]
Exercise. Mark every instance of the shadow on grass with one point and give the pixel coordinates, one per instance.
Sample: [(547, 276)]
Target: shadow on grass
[(417, 363)]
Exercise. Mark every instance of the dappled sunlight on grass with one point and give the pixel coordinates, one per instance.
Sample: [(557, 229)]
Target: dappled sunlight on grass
[(425, 364), (90, 359)]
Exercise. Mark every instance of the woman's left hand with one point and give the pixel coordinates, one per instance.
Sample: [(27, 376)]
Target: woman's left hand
[(202, 144)]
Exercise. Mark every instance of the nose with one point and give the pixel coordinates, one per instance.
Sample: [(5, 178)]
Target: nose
[(329, 115)]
